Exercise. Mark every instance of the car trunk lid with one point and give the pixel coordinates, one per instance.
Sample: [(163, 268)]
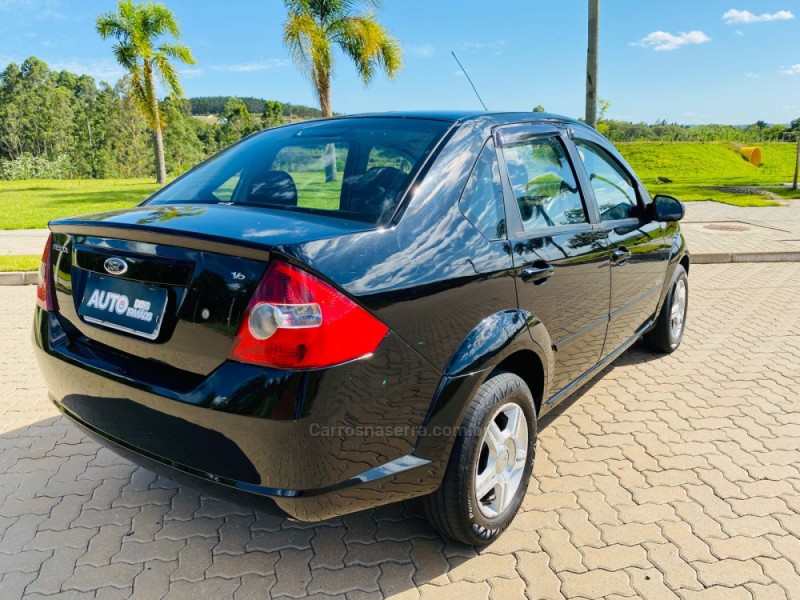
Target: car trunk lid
[(169, 284)]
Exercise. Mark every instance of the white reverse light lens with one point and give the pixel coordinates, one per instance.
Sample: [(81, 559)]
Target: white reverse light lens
[(264, 321), (300, 316)]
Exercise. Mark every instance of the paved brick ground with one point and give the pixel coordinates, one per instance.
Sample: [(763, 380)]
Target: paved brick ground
[(667, 477), (766, 229)]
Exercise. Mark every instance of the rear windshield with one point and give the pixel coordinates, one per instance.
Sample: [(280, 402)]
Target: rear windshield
[(353, 168)]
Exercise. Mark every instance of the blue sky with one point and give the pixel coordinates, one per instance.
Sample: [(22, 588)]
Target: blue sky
[(689, 61)]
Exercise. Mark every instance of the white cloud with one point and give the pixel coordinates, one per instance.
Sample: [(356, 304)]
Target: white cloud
[(739, 32), (497, 45), (661, 40), (745, 16), (190, 73), (752, 75), (420, 50), (104, 69), (793, 70), (249, 67), (41, 9)]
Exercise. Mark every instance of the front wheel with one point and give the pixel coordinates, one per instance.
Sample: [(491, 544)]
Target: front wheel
[(491, 463), (667, 333)]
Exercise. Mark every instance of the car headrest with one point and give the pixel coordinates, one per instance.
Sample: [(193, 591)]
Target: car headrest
[(375, 192), (273, 187)]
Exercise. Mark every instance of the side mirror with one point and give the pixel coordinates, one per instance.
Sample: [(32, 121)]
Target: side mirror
[(668, 209)]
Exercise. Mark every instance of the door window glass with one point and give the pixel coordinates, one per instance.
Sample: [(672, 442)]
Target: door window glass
[(613, 187), (482, 200), (544, 184)]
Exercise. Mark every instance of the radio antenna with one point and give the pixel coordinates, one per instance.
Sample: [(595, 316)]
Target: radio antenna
[(474, 89)]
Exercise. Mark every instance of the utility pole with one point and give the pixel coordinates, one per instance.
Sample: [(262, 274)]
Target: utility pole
[(591, 64)]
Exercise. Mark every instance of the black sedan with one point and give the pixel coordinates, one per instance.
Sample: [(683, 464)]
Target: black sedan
[(343, 313)]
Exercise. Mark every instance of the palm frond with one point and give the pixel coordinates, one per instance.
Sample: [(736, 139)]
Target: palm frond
[(299, 32), (108, 25), (369, 45), (162, 20), (178, 52), (168, 75), (126, 55), (140, 97)]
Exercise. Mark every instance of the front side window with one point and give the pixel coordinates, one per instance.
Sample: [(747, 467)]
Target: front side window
[(612, 186), (482, 200), (356, 168), (544, 183)]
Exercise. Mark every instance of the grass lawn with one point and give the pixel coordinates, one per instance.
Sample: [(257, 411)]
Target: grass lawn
[(31, 204), (693, 168), (26, 262)]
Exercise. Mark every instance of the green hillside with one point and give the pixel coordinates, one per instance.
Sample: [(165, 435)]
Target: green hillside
[(693, 167)]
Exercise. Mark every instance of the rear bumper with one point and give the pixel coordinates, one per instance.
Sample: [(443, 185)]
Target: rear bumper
[(320, 443)]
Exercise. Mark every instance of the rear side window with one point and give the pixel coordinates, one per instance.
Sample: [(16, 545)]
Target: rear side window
[(482, 200), (544, 184), (352, 168), (612, 186)]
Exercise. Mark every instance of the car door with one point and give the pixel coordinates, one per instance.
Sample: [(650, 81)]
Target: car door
[(636, 245), (560, 254)]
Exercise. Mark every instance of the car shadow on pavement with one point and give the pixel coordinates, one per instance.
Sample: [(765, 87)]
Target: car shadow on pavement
[(75, 516), (636, 355)]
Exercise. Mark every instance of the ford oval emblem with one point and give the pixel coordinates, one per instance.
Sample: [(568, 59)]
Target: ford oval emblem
[(115, 266)]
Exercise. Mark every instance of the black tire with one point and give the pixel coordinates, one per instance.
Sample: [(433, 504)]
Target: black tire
[(662, 338), (453, 509)]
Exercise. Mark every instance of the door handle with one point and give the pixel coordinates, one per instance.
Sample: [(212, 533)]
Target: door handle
[(620, 256), (538, 273)]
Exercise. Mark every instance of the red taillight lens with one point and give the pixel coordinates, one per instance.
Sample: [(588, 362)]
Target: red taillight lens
[(45, 294), (296, 321)]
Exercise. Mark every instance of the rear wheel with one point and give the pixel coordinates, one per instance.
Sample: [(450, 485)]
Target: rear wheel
[(490, 466), (667, 333)]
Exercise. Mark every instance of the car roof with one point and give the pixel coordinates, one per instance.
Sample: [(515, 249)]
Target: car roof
[(495, 117)]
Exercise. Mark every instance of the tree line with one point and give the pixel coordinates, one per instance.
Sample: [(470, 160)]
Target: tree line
[(661, 131), (57, 124), (214, 105)]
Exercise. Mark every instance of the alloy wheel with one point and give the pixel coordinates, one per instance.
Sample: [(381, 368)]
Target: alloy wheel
[(501, 460)]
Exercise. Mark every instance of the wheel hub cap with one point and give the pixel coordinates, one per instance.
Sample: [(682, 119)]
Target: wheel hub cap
[(678, 311), (501, 460)]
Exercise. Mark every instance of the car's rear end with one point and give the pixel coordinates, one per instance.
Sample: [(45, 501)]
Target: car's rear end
[(189, 334)]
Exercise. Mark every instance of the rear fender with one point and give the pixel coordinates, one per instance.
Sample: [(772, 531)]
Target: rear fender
[(493, 340)]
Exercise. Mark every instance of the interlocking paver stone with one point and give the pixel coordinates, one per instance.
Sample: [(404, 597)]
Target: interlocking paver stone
[(669, 476)]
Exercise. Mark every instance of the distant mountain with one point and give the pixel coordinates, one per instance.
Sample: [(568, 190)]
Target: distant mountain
[(214, 105)]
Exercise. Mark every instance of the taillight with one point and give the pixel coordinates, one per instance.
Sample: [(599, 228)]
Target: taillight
[(297, 321), (45, 293)]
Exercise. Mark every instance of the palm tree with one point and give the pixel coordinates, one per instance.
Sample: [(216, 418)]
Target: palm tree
[(138, 29), (314, 28), (591, 64)]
